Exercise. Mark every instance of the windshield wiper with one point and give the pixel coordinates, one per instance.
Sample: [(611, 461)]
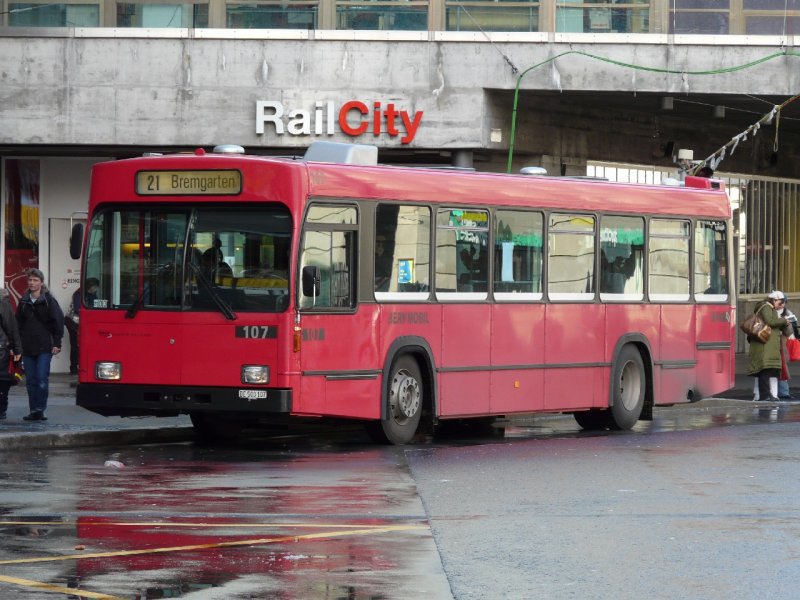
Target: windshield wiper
[(223, 306), (137, 304)]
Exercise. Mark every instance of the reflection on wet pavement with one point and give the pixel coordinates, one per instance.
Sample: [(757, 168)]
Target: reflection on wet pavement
[(238, 524)]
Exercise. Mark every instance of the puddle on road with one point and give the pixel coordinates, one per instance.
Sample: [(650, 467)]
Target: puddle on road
[(173, 557)]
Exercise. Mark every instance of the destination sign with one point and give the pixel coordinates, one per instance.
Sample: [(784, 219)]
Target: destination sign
[(189, 183)]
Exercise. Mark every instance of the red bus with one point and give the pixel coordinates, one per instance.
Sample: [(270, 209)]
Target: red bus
[(243, 290)]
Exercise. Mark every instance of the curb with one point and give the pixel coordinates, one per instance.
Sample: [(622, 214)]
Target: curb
[(75, 439)]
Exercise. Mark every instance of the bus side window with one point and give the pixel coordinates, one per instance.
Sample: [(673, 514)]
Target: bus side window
[(462, 252), (329, 243), (571, 257), (518, 255), (621, 258), (710, 264), (668, 260), (402, 249)]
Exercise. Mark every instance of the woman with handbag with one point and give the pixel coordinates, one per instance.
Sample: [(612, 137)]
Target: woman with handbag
[(765, 356), (789, 332), (10, 348)]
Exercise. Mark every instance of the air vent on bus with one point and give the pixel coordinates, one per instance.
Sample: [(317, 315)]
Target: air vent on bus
[(533, 171), (343, 154), (228, 149)]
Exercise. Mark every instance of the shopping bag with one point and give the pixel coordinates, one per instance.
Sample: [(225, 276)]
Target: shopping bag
[(793, 346), (15, 370)]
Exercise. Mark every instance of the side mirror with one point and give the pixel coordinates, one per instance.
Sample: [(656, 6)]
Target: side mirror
[(76, 241), (311, 281)]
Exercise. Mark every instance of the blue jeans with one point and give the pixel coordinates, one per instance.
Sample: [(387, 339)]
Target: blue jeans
[(37, 373), (783, 389)]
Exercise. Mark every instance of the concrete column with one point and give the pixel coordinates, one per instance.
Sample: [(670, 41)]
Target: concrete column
[(463, 159)]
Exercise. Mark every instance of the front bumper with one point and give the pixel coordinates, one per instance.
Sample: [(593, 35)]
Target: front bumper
[(140, 400)]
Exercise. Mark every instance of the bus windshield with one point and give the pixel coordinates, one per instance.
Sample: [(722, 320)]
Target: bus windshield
[(206, 258)]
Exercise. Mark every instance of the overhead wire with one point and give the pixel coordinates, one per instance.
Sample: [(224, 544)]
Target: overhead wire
[(619, 63)]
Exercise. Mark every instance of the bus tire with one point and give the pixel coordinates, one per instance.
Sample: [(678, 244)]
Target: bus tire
[(593, 420), (406, 394), (628, 388), (210, 427)]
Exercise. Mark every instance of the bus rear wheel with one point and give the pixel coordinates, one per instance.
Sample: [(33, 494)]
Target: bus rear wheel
[(406, 394), (628, 381)]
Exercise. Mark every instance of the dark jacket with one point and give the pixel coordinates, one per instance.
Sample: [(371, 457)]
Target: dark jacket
[(41, 324), (9, 332)]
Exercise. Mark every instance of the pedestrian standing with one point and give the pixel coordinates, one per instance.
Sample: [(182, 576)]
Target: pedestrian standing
[(73, 320), (10, 348), (41, 327), (765, 357), (789, 332)]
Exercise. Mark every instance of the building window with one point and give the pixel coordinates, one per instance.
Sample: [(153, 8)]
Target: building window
[(709, 17), (605, 16), (772, 17), (162, 15), (272, 15), (396, 15), (32, 14), (492, 16)]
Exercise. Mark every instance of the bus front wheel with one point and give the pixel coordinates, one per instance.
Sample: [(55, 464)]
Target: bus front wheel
[(406, 394), (628, 381)]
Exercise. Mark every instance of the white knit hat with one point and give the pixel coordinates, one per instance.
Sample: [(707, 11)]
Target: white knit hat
[(776, 295)]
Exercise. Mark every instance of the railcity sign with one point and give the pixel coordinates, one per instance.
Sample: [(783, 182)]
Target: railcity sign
[(354, 118)]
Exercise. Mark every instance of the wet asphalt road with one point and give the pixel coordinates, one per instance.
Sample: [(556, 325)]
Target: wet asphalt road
[(709, 513), (700, 503)]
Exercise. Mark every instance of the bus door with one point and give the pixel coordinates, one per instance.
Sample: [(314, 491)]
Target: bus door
[(462, 271), (669, 278), (715, 316), (340, 373), (518, 313), (574, 335)]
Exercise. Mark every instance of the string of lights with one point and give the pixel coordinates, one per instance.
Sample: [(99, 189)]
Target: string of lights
[(719, 155)]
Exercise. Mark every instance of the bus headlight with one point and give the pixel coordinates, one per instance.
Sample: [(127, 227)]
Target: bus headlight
[(255, 374), (108, 370)]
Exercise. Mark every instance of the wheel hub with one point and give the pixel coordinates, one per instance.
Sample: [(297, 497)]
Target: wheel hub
[(630, 384), (406, 394)]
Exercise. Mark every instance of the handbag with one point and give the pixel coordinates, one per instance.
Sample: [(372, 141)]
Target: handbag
[(755, 327), (13, 373), (793, 346)]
